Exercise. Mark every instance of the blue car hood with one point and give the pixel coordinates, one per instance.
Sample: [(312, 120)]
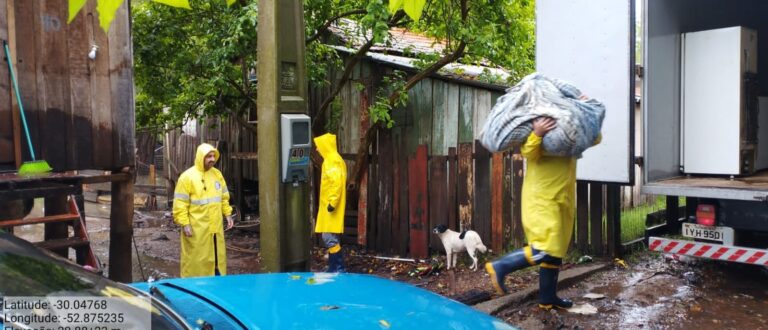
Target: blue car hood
[(316, 301)]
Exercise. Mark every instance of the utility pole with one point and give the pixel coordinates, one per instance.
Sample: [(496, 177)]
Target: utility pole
[(283, 152)]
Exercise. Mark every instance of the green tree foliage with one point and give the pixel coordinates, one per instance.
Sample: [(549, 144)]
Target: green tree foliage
[(192, 63)]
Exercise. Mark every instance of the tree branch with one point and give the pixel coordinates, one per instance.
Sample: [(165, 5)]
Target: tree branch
[(348, 72), (330, 21)]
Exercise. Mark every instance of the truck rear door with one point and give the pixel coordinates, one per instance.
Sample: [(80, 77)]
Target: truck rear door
[(591, 44)]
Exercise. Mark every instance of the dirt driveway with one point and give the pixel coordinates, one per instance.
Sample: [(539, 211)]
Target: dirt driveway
[(654, 292)]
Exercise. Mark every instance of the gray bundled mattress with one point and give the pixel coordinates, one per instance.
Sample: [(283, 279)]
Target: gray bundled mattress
[(578, 120)]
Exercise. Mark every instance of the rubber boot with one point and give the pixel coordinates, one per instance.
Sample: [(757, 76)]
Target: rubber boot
[(548, 298), (499, 268), (336, 262)]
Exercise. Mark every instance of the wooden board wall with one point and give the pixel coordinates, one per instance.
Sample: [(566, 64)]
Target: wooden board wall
[(80, 111)]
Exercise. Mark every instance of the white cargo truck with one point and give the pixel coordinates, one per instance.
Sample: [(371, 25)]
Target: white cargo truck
[(704, 105)]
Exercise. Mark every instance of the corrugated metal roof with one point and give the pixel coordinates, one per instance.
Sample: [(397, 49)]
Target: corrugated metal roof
[(451, 71), (401, 40)]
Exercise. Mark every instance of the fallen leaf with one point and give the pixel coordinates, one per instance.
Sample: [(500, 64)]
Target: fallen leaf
[(311, 281), (696, 309), (295, 277), (384, 323), (594, 296), (620, 262), (328, 307), (584, 309)]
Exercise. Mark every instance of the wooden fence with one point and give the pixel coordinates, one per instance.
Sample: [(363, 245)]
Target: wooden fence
[(470, 188)]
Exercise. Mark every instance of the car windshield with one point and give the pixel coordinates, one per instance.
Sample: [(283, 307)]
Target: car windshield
[(27, 271)]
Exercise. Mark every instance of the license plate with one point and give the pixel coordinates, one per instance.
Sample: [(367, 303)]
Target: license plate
[(712, 233)]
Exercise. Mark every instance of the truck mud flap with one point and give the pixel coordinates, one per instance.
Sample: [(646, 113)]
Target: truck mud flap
[(710, 251)]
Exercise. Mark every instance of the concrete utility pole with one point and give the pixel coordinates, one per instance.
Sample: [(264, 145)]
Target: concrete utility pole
[(282, 89)]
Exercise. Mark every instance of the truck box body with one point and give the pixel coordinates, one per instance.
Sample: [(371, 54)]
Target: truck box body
[(592, 42), (665, 22)]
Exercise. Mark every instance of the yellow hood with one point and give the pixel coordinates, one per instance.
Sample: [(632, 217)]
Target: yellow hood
[(326, 145), (203, 150)]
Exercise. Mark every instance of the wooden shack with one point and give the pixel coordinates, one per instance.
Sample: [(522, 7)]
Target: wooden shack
[(80, 115), (79, 111)]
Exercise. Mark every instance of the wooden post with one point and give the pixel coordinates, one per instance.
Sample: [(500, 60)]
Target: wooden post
[(121, 231), (465, 186), (518, 236), (55, 205), (418, 203), (613, 210), (596, 218), (481, 203), (497, 202), (582, 216), (15, 115)]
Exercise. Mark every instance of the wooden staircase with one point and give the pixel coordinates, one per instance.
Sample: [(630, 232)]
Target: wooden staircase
[(79, 242)]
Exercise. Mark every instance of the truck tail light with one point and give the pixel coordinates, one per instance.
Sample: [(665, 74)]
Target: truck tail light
[(705, 214)]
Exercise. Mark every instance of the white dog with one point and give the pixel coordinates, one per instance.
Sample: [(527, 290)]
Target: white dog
[(454, 243)]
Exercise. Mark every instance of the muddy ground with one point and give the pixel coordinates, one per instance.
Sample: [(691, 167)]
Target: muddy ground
[(653, 292)]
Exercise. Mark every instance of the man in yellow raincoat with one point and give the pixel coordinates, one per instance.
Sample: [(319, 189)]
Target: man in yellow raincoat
[(548, 203), (333, 195), (201, 201)]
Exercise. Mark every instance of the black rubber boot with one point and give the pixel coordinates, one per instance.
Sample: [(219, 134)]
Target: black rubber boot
[(336, 262), (548, 298), (499, 268)]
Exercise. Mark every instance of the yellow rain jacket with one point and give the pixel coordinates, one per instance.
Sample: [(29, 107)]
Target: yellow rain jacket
[(201, 200), (333, 189), (549, 192)]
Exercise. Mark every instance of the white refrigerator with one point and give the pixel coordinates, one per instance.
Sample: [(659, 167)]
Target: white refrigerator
[(719, 102)]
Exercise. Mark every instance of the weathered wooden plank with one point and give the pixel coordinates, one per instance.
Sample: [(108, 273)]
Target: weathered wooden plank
[(101, 94), (56, 128), (451, 117), (482, 109), (384, 216), (10, 139), (438, 198), (424, 106), (439, 99), (399, 232), (466, 113), (518, 175), (418, 201), (582, 216), (412, 113), (613, 216), (497, 201), (506, 212), (121, 80), (342, 100), (79, 44), (27, 19), (453, 178), (465, 186), (373, 202), (362, 207), (482, 202), (356, 103), (596, 219)]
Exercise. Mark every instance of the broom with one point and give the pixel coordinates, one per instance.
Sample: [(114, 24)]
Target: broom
[(34, 166)]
